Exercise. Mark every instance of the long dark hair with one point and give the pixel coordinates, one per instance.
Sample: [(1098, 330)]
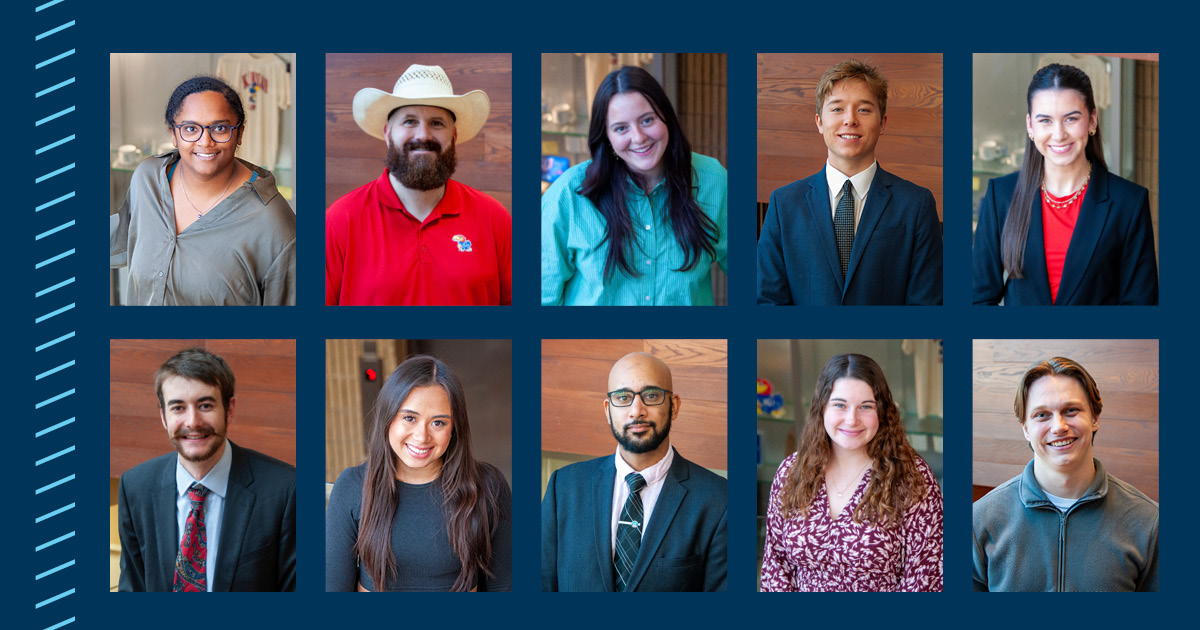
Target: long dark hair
[(606, 183), (469, 487), (896, 483), (1029, 183)]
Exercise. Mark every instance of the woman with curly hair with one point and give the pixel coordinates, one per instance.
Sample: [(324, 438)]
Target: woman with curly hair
[(422, 514), (854, 508)]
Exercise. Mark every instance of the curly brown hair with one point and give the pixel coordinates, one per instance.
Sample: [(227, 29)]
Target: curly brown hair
[(897, 482)]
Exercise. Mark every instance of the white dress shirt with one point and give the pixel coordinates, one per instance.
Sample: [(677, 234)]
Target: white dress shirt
[(861, 183), (217, 482), (654, 476)]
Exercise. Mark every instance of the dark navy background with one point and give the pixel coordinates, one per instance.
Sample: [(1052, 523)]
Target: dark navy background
[(526, 29)]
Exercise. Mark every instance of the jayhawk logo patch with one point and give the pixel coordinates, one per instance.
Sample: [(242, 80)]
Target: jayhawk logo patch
[(463, 244)]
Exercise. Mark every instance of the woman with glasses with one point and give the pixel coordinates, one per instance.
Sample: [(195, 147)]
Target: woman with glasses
[(854, 508), (421, 514), (200, 226)]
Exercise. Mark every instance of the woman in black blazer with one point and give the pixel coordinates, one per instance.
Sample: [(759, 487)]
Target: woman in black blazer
[(1064, 230)]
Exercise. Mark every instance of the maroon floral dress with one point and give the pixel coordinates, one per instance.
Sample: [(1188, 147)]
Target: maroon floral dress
[(817, 553)]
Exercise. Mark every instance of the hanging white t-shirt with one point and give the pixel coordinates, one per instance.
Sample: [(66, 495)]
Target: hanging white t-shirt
[(262, 80)]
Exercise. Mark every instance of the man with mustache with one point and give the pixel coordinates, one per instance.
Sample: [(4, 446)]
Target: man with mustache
[(415, 236), (644, 519), (1064, 524), (212, 516)]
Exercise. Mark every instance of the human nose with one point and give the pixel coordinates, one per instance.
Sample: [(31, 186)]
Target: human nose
[(637, 409), (1059, 423), (419, 432), (206, 138)]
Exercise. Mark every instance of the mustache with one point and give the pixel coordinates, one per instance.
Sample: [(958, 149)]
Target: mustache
[(200, 433), (641, 423), (423, 145)]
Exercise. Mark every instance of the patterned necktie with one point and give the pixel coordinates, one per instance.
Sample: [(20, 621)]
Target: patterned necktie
[(629, 531), (191, 574), (843, 226)]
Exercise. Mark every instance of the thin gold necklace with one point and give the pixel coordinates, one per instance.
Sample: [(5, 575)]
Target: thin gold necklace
[(1060, 205), (200, 213), (853, 479)]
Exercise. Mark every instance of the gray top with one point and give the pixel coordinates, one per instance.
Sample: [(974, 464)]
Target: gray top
[(241, 252), (420, 540)]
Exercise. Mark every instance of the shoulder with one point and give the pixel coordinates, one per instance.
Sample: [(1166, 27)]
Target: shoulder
[(707, 167), (493, 480), (800, 187), (901, 186), (1121, 188), (700, 478), (1132, 500), (1004, 186), (583, 473), (477, 200), (152, 166), (997, 505), (149, 470), (565, 187), (261, 463), (786, 466), (353, 203)]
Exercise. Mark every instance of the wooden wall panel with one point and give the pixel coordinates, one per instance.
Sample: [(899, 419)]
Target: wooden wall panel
[(790, 147), (353, 158), (264, 418), (1126, 371), (575, 378)]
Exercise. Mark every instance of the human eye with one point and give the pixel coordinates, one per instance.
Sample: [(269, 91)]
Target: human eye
[(649, 120), (652, 396), (623, 398), (219, 129), (190, 128), (439, 423), (619, 129)]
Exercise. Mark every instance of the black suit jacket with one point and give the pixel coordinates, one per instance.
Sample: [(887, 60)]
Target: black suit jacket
[(896, 258), (1110, 259), (258, 525), (683, 548)]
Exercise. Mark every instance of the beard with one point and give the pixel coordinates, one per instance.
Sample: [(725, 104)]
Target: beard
[(646, 444), (421, 173), (177, 442)]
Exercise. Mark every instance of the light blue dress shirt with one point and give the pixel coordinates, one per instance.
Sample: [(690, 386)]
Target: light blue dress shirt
[(217, 482), (573, 253)]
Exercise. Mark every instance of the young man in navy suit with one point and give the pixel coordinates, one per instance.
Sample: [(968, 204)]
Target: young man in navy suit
[(644, 519), (852, 234), (211, 516)]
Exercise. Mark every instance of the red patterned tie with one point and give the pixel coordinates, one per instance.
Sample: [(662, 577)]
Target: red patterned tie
[(191, 575)]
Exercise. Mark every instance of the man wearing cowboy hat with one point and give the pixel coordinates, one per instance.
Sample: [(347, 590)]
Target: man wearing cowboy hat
[(414, 236)]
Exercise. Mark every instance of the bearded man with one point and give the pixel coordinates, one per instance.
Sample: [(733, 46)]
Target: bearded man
[(414, 236)]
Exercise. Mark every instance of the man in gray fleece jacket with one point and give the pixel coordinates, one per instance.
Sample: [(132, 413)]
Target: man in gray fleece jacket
[(1064, 524)]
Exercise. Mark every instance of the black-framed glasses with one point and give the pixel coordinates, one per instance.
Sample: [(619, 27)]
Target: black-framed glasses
[(650, 396), (219, 132)]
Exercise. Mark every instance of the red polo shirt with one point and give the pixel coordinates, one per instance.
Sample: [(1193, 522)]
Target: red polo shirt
[(376, 253)]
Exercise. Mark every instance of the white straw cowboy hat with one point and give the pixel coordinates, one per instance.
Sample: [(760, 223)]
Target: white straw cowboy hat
[(422, 85)]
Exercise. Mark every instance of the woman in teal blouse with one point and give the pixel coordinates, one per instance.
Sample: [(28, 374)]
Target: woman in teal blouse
[(641, 222)]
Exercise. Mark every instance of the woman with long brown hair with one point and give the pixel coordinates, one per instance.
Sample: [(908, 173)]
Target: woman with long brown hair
[(854, 508), (421, 514)]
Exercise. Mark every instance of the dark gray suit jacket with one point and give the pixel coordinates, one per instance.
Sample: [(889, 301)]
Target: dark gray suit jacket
[(683, 549), (258, 525)]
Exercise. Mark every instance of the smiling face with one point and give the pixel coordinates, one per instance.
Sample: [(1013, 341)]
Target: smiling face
[(851, 415), (195, 420), (205, 157), (850, 122), (1060, 123), (638, 135), (1059, 423), (420, 434), (421, 151)]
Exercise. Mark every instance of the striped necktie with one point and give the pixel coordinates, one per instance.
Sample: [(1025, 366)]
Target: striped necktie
[(191, 573), (843, 226), (629, 531)]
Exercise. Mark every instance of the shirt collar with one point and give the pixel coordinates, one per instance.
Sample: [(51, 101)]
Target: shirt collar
[(217, 479), (861, 182), (392, 201), (652, 474)]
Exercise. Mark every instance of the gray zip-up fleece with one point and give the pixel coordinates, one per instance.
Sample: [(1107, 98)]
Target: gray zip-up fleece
[(1106, 541)]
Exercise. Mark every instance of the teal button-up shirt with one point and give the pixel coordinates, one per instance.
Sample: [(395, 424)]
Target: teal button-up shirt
[(573, 254)]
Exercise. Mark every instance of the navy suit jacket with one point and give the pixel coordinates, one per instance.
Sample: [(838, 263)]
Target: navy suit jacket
[(258, 525), (1110, 259), (896, 257), (683, 548)]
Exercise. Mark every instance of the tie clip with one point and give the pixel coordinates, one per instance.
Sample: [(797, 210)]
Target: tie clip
[(634, 523)]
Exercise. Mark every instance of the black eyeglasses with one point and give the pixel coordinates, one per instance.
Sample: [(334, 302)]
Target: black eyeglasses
[(650, 396), (220, 132)]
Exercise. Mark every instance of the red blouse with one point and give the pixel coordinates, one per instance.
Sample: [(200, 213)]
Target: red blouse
[(1058, 224)]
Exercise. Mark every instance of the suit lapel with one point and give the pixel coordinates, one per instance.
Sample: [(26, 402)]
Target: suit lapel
[(1035, 255), (879, 195), (165, 521), (602, 498), (669, 500), (821, 218), (235, 519), (1093, 215)]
